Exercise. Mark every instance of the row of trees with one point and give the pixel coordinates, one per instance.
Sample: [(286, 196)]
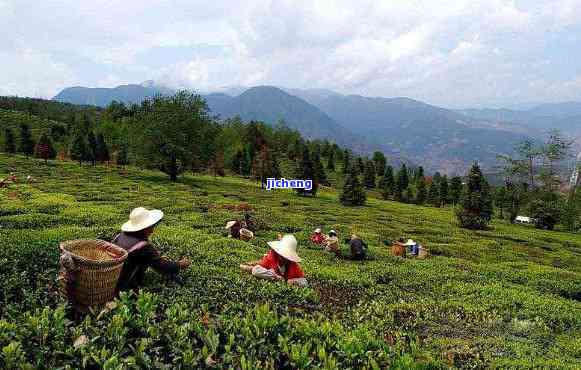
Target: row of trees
[(25, 144), (85, 146), (178, 133)]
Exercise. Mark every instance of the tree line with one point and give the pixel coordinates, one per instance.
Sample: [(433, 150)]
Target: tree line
[(179, 133)]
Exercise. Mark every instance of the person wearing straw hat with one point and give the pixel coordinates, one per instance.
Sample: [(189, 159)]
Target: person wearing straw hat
[(234, 228), (413, 247), (134, 238), (280, 263)]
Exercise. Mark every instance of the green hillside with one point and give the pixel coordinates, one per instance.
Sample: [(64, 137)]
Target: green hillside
[(506, 297), (38, 125)]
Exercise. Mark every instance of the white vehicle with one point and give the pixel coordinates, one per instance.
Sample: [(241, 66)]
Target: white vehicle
[(524, 220)]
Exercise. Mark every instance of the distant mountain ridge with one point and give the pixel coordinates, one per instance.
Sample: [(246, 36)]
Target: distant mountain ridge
[(439, 138), (102, 97), (562, 116), (272, 105)]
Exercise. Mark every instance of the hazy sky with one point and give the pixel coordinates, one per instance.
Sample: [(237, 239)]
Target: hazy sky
[(452, 53)]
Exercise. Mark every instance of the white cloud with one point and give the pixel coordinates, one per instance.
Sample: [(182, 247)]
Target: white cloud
[(27, 72), (448, 52)]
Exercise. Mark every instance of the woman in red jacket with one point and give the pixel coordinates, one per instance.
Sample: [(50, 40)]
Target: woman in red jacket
[(280, 263), (318, 237)]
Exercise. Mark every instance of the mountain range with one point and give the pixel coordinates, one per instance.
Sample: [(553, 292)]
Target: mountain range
[(404, 129), (565, 117)]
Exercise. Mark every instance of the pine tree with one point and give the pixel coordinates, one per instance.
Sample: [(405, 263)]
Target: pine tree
[(274, 168), (237, 162), (91, 151), (455, 190), (263, 162), (437, 178), (123, 155), (79, 148), (369, 175), (246, 163), (353, 193), (477, 209), (360, 165), (421, 194), (320, 174), (306, 171), (387, 183), (218, 163), (402, 182), (9, 144), (346, 161), (325, 150), (434, 195), (331, 161), (444, 193), (420, 174), (338, 152), (379, 162), (44, 148), (26, 143), (102, 150)]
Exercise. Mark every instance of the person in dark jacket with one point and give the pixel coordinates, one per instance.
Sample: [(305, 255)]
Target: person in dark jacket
[(234, 228), (358, 248), (134, 238)]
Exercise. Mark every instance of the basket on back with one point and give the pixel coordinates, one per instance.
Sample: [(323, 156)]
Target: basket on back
[(398, 250), (93, 267), (246, 234)]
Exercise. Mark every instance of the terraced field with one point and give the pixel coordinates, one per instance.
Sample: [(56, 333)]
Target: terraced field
[(507, 297)]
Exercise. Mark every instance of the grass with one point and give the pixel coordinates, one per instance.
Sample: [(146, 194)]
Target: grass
[(507, 297)]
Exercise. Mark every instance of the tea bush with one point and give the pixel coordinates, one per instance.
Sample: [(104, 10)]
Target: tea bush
[(507, 297)]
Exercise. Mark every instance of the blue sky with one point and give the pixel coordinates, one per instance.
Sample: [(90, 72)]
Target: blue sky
[(451, 53)]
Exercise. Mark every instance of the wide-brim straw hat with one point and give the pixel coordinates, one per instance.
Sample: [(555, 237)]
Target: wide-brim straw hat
[(286, 247), (318, 230), (229, 224), (142, 218), (410, 242)]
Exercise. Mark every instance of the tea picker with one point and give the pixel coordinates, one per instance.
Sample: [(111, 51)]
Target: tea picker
[(317, 237), (358, 248), (94, 271), (280, 263), (236, 230), (134, 239)]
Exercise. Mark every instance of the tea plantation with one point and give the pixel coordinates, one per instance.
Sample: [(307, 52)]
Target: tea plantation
[(507, 297)]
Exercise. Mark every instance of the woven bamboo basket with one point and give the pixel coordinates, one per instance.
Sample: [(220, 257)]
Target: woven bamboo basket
[(246, 234), (98, 265), (423, 253), (398, 250)]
